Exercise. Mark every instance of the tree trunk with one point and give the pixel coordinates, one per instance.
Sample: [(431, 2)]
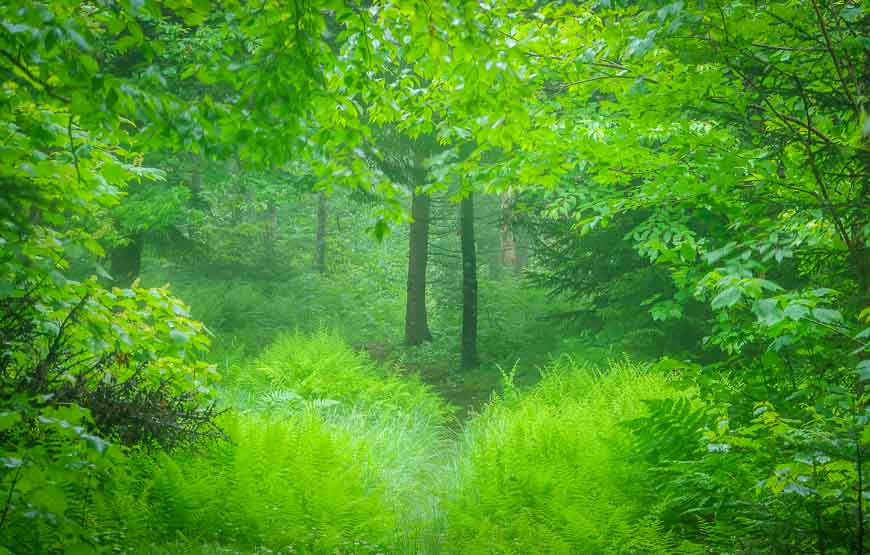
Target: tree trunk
[(125, 261), (196, 199), (416, 325), (270, 235), (320, 236), (509, 257), (470, 357), (240, 195)]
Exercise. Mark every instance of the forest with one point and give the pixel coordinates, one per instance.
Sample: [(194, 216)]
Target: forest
[(434, 276)]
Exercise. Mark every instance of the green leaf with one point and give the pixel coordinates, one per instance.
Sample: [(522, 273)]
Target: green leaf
[(827, 315), (768, 312), (10, 462), (179, 310), (796, 311), (89, 64), (102, 271), (8, 420), (726, 298), (96, 442), (863, 370), (780, 342), (51, 498), (687, 251), (179, 336)]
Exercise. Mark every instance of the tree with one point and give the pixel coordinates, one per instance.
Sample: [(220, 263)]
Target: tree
[(125, 260), (320, 235), (751, 115), (416, 322), (469, 356), (509, 254)]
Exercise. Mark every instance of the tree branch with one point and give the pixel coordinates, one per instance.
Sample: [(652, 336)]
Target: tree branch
[(49, 90), (834, 57)]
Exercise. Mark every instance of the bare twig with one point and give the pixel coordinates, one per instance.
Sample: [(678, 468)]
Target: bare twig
[(562, 86), (8, 504), (787, 48)]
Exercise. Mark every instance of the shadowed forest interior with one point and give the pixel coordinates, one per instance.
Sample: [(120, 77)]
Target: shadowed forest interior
[(434, 277)]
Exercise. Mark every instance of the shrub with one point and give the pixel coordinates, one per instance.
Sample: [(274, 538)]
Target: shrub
[(749, 468)]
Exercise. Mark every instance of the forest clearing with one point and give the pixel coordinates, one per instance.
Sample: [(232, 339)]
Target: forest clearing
[(434, 276)]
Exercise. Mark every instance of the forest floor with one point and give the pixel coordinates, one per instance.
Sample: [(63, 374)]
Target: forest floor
[(466, 390)]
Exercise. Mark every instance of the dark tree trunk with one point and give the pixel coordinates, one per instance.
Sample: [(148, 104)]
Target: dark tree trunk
[(416, 325), (320, 236), (196, 199), (126, 260), (470, 357)]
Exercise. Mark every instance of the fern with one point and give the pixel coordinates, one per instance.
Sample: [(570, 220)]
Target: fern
[(550, 471)]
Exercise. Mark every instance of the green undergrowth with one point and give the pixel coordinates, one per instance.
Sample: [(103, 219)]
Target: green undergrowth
[(246, 314), (294, 484), (320, 369), (550, 471), (329, 453), (326, 454)]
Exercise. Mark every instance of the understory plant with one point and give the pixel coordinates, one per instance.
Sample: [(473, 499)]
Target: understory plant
[(550, 471)]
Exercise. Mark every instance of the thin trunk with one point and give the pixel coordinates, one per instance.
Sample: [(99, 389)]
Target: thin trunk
[(470, 357), (239, 196), (859, 465), (196, 199), (271, 231), (416, 325), (320, 237), (509, 258), (126, 260)]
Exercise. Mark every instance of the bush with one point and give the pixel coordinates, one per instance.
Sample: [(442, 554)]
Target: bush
[(749, 468)]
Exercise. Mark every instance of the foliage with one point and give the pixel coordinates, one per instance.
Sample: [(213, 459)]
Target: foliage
[(548, 471), (321, 368), (300, 474), (754, 467), (65, 338), (293, 484), (687, 170), (52, 472), (613, 293)]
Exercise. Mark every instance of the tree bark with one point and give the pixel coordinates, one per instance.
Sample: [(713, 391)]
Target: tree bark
[(320, 235), (470, 358), (509, 257), (270, 233), (125, 261), (196, 199), (416, 324)]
